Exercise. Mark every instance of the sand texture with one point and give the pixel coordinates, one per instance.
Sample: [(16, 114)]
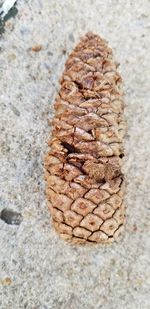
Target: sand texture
[(38, 270)]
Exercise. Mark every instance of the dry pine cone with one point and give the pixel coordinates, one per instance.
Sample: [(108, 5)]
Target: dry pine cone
[(83, 166)]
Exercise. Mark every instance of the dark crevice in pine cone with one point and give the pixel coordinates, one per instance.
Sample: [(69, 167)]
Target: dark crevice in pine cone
[(83, 166)]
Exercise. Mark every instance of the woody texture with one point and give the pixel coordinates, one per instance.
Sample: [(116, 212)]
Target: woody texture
[(83, 165)]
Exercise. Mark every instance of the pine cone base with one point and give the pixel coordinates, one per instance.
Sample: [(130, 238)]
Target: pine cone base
[(83, 166)]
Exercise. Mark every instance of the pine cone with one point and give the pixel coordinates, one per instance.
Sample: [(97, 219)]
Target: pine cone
[(83, 167)]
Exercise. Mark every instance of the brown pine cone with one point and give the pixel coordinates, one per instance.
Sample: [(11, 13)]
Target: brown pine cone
[(83, 166)]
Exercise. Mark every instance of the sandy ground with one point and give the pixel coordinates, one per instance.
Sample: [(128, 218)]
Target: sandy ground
[(37, 269)]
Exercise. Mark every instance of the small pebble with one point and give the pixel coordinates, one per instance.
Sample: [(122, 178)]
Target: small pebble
[(11, 217), (6, 281), (24, 30), (15, 110), (36, 48)]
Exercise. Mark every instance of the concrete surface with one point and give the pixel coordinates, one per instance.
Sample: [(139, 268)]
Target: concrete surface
[(37, 269)]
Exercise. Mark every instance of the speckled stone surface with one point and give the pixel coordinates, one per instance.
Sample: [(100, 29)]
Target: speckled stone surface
[(37, 269)]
